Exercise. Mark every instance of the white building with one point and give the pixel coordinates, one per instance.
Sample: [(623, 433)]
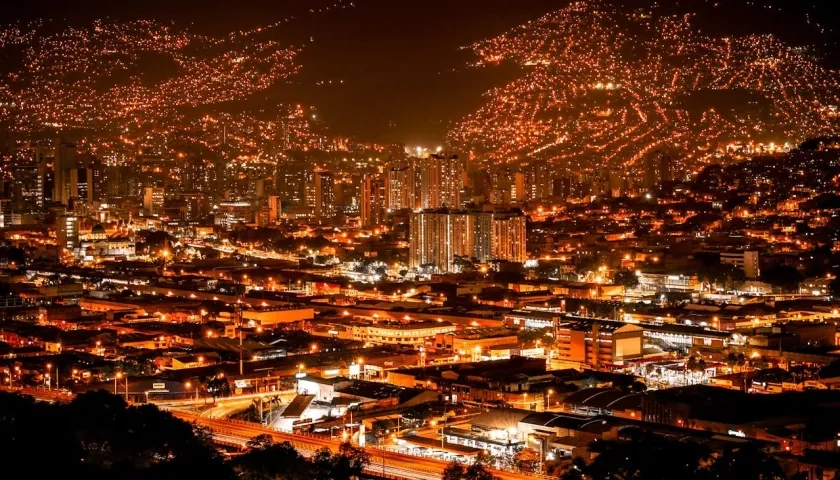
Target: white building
[(746, 261)]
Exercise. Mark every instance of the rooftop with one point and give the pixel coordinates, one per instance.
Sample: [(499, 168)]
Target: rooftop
[(606, 399)]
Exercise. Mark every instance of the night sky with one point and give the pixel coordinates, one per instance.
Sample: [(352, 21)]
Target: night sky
[(404, 75)]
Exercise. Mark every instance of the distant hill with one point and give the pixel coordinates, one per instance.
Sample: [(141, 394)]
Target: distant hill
[(608, 85)]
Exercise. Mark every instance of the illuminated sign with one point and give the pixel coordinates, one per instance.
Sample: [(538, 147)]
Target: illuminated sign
[(737, 433)]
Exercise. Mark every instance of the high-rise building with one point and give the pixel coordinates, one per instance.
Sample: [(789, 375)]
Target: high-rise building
[(538, 181), (122, 181), (43, 160), (67, 232), (508, 237), (399, 189), (27, 188), (372, 207), (195, 205), (518, 192), (153, 198), (745, 260), (273, 209), (232, 212), (562, 187), (438, 236), (292, 182), (659, 167), (502, 185), (440, 180), (324, 195), (65, 160), (81, 184)]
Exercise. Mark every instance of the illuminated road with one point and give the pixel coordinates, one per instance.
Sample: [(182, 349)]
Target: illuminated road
[(225, 407), (237, 433), (396, 464)]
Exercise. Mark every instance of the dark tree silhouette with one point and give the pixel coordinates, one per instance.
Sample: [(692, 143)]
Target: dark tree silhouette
[(98, 435), (626, 278), (266, 460), (457, 471), (782, 277), (747, 463), (644, 456)]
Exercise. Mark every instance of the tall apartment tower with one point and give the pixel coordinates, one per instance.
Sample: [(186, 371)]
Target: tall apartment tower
[(372, 208), (65, 160), (438, 236), (153, 198), (67, 232), (399, 189), (440, 181), (273, 209), (324, 195), (518, 190), (508, 237), (538, 181), (659, 167)]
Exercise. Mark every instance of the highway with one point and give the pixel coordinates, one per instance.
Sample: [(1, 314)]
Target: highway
[(396, 464), (236, 433)]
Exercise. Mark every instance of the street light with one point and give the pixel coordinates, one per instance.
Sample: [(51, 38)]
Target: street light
[(49, 383), (550, 391), (189, 385), (118, 375), (434, 423)]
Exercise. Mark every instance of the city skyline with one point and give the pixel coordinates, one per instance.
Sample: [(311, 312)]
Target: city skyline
[(332, 239)]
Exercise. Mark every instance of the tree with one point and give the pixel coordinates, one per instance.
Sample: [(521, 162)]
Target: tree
[(266, 460), (691, 364), (643, 456), (834, 288), (759, 363), (725, 276), (218, 387), (733, 360), (626, 278), (479, 472), (457, 471), (526, 460), (348, 463), (747, 463), (98, 435), (530, 336), (782, 277), (453, 471)]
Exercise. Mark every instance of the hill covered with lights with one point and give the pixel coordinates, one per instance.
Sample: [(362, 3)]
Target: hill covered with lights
[(606, 85)]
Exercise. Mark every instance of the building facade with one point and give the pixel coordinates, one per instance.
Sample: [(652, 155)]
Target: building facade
[(439, 236)]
